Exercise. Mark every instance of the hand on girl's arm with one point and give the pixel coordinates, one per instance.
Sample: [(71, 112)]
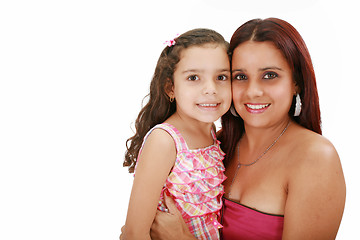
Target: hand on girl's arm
[(171, 225)]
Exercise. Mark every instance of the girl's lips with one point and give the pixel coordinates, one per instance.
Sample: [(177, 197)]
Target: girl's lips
[(256, 107), (208, 106)]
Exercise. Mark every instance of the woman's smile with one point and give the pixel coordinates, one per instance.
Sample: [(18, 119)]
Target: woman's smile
[(256, 107)]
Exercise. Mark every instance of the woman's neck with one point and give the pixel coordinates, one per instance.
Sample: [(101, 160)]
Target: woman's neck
[(256, 138)]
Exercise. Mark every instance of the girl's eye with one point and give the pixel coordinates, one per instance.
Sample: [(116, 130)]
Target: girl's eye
[(270, 75), (240, 77), (193, 78), (222, 78)]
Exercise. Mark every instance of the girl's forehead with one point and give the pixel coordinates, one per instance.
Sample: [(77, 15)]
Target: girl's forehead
[(204, 57), (203, 47)]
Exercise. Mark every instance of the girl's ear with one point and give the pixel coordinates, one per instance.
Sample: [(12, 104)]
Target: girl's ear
[(169, 88)]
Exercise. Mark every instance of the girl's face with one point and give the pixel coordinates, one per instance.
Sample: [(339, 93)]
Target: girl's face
[(202, 83), (262, 84)]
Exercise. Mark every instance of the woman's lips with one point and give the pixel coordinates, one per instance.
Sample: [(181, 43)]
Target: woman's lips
[(256, 107)]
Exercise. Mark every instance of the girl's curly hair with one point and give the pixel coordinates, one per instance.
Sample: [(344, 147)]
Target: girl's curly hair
[(158, 107)]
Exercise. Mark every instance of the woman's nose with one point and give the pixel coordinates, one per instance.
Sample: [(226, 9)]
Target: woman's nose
[(254, 89)]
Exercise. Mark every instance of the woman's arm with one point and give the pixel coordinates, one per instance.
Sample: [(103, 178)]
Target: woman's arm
[(316, 194), (155, 162), (168, 226)]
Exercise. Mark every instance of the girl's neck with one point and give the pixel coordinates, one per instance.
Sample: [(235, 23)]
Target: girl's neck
[(196, 134), (190, 125)]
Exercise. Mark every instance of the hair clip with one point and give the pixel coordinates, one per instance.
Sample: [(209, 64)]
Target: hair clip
[(171, 42)]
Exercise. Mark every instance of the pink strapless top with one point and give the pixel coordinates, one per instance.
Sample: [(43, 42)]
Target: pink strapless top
[(242, 222)]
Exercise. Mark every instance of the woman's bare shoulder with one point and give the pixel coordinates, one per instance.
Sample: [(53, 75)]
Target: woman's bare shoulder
[(310, 150), (316, 185)]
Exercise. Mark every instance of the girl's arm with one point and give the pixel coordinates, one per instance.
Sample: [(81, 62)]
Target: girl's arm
[(316, 194), (154, 164)]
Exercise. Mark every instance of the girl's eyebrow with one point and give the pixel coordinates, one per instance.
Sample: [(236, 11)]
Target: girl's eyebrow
[(201, 71), (192, 71)]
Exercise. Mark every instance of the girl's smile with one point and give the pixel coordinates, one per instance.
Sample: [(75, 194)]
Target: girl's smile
[(202, 83), (209, 106)]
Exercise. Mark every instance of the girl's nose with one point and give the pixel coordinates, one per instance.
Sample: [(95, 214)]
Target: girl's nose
[(210, 87)]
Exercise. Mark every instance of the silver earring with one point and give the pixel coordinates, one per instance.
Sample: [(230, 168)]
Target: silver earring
[(297, 106), (233, 111)]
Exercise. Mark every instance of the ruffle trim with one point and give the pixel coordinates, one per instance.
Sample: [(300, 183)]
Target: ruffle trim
[(199, 197), (195, 182), (200, 160), (189, 184), (190, 210), (196, 175)]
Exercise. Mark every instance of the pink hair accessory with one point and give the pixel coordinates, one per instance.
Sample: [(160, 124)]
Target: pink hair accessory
[(171, 42)]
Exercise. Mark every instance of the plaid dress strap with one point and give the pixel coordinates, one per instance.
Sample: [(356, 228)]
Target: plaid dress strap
[(174, 133)]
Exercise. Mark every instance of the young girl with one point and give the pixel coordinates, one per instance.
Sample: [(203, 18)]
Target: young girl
[(175, 149)]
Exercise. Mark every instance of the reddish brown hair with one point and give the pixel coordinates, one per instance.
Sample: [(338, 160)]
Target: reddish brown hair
[(287, 39)]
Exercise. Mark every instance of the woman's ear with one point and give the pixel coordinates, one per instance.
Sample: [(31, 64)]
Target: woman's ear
[(296, 88)]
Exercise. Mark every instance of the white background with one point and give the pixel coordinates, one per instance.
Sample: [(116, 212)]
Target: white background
[(72, 77)]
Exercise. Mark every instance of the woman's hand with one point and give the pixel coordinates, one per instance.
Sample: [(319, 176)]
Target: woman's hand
[(122, 233), (170, 225)]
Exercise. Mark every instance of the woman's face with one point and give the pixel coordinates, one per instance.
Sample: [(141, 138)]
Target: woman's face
[(262, 85)]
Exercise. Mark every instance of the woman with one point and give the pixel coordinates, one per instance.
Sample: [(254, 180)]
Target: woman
[(285, 180)]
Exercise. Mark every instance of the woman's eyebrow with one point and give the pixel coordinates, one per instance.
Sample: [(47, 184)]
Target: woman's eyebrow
[(260, 69), (270, 68), (237, 70)]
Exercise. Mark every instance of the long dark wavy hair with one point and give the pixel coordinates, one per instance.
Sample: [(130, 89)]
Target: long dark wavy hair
[(287, 39), (158, 107)]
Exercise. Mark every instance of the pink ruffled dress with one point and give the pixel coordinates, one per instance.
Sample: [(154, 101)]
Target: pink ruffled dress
[(195, 183)]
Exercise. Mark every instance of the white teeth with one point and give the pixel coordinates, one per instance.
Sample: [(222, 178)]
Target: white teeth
[(258, 106), (208, 105)]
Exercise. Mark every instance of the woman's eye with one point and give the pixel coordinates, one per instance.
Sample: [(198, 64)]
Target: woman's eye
[(193, 78), (270, 75), (240, 77), (222, 78)]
